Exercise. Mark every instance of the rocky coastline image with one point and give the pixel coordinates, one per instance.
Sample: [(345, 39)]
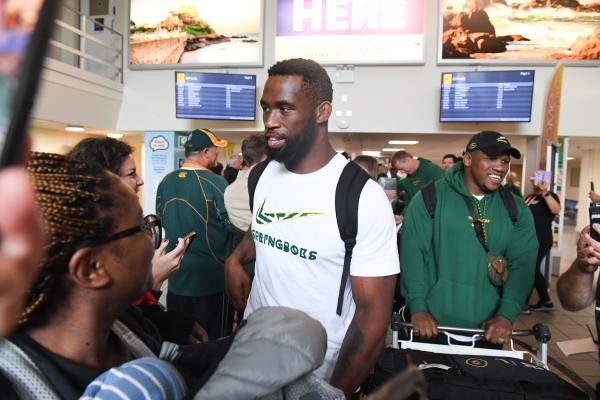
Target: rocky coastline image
[(178, 34), (530, 30)]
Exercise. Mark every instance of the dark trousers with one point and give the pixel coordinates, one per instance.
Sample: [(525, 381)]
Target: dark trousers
[(540, 284), (208, 311)]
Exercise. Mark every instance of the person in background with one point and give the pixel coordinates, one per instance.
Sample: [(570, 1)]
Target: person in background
[(116, 156), (512, 183), (382, 171), (217, 168), (369, 164), (448, 161), (254, 150), (544, 206), (593, 196), (234, 163), (419, 172), (190, 199)]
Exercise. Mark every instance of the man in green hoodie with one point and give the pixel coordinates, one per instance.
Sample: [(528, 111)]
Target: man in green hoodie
[(447, 272)]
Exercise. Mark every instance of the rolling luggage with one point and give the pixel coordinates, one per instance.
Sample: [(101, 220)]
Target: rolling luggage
[(467, 372)]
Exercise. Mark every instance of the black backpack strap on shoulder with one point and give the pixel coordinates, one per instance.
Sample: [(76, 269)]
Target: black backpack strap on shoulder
[(429, 198), (253, 178), (347, 195), (509, 203)]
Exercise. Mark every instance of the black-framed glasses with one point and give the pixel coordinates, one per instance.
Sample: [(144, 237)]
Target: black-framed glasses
[(151, 226)]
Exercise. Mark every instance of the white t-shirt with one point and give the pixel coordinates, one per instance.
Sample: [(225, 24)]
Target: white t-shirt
[(299, 252)]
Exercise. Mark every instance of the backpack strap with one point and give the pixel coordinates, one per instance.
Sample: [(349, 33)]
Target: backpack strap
[(347, 194), (429, 198), (253, 178), (509, 203), (27, 380)]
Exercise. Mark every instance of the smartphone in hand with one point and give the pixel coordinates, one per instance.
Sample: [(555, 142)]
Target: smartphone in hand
[(189, 236), (594, 219), (592, 186)]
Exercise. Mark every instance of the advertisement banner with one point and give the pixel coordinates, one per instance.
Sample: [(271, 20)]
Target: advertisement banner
[(195, 33), (351, 31), (519, 32)]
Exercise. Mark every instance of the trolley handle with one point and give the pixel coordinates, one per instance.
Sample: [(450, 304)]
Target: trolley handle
[(521, 332)]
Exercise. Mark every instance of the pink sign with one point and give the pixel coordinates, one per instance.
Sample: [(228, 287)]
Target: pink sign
[(357, 17)]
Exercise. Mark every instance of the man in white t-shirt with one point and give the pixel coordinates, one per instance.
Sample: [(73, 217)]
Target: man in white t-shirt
[(294, 234)]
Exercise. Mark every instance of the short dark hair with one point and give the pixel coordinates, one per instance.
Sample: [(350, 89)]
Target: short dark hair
[(316, 81), (254, 148), (400, 156), (107, 152), (452, 156)]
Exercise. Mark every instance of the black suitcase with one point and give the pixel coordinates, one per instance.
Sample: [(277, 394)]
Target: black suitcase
[(476, 377)]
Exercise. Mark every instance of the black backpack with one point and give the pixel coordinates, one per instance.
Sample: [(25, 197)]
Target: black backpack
[(430, 200), (347, 194)]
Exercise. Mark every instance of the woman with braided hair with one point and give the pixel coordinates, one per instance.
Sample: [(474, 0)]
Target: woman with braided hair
[(98, 254)]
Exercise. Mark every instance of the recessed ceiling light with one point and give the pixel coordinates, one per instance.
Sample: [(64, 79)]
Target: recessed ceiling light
[(390, 149), (371, 153), (570, 158), (403, 142), (74, 128), (114, 135)]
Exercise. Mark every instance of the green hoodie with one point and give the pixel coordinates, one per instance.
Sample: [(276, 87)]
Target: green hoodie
[(425, 173), (444, 266)]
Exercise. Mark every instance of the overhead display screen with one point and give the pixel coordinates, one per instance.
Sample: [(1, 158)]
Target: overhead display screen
[(487, 96), (350, 31), (201, 95)]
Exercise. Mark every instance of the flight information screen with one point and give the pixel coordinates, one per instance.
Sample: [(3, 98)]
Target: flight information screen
[(486, 96), (201, 95)]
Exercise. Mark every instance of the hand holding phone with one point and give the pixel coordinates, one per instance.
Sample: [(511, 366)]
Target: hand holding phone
[(594, 219)]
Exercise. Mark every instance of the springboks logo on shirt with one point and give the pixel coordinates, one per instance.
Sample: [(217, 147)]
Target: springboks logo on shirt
[(263, 217)]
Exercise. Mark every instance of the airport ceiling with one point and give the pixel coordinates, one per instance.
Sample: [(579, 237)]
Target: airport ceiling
[(430, 146)]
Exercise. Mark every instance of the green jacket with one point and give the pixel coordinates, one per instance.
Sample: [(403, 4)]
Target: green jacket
[(444, 266), (192, 200), (425, 173)]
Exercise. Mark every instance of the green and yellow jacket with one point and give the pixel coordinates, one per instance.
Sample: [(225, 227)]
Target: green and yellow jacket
[(191, 199), (425, 173), (444, 266)]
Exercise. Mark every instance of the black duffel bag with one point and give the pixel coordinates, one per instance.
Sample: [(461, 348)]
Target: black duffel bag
[(452, 376)]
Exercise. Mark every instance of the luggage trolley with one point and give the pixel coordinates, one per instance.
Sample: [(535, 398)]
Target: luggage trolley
[(540, 331)]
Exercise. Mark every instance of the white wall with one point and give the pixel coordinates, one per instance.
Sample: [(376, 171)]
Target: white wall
[(387, 99)]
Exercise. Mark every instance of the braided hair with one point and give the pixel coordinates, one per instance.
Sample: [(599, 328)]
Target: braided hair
[(73, 198)]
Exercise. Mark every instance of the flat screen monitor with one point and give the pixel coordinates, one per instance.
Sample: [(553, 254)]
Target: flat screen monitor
[(486, 96), (202, 95)]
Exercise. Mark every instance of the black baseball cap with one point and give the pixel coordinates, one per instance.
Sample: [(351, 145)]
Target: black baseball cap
[(492, 143)]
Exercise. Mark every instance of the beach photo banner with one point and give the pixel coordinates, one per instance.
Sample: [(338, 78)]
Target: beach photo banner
[(195, 33), (519, 31), (351, 31)]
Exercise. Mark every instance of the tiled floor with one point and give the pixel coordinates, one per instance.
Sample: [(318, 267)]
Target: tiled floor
[(565, 325)]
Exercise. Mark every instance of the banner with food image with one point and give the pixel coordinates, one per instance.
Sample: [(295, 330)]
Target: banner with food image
[(519, 31), (195, 33)]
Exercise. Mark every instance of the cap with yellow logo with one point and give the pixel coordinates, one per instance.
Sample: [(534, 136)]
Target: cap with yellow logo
[(201, 139), (492, 143)]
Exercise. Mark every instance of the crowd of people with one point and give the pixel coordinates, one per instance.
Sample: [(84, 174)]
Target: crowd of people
[(82, 268)]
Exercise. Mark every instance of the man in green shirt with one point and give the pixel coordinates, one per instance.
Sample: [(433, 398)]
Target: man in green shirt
[(446, 277), (190, 199), (419, 172)]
